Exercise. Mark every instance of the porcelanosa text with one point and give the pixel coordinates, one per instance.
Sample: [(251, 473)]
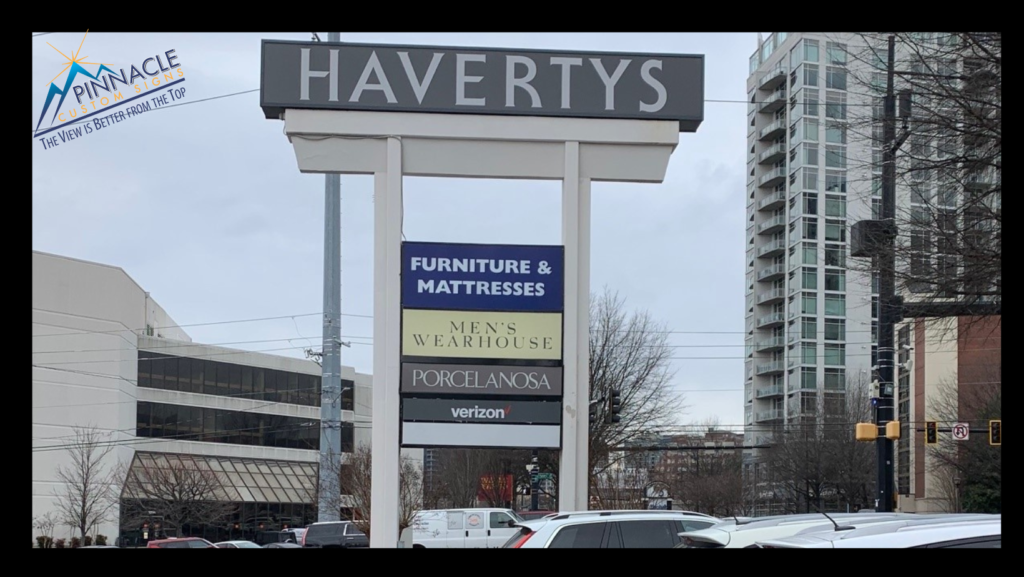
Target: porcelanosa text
[(443, 378)]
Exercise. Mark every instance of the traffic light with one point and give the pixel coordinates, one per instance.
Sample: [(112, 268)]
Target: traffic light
[(931, 433), (866, 431), (892, 430), (614, 406), (994, 433)]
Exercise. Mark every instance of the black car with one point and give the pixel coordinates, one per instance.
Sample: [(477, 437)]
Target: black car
[(335, 535), (282, 545)]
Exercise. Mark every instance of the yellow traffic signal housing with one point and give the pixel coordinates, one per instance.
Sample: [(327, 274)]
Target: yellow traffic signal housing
[(931, 433), (995, 436), (866, 431), (892, 430)]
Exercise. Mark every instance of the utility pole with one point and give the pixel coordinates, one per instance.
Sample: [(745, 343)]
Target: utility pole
[(329, 494), (888, 304)]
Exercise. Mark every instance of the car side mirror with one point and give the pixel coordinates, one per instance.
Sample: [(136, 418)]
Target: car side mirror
[(511, 522)]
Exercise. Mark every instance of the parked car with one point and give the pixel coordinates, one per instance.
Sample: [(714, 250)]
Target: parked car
[(463, 528), (608, 530), (100, 547), (940, 532), (182, 543), (285, 536), (746, 531), (334, 535), (236, 545), (283, 545)]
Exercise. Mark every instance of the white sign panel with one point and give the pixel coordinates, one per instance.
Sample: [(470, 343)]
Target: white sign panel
[(961, 431), (480, 435)]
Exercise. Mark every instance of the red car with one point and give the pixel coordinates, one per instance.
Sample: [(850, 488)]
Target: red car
[(183, 543)]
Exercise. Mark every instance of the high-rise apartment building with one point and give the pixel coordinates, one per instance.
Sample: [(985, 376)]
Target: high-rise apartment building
[(811, 322)]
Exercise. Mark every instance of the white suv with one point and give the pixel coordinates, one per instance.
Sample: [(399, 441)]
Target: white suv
[(940, 532), (608, 530)]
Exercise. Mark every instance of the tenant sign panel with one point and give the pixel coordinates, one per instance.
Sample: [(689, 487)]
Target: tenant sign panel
[(481, 381), (482, 435), (380, 77), (482, 411), (481, 335), (483, 277)]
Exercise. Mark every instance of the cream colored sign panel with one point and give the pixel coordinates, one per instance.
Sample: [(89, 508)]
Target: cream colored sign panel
[(481, 335)]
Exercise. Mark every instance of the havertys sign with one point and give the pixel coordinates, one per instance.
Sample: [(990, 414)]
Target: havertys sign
[(342, 76), (483, 277)]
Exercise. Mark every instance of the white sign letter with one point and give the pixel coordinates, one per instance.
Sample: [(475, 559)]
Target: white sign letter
[(609, 83), (373, 66), (461, 79), (511, 82), (420, 88), (305, 74), (645, 73), (565, 63)]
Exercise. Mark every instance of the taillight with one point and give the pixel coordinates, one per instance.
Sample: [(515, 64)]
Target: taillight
[(522, 540), (304, 537)]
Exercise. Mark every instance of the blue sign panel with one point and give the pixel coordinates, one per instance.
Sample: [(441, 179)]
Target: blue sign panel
[(478, 277)]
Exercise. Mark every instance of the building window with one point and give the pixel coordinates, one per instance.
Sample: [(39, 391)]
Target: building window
[(810, 206), (809, 354), (810, 255), (811, 102), (810, 229), (810, 278), (835, 379), (808, 328), (810, 179), (835, 206), (810, 75), (835, 255), (948, 195), (835, 330), (835, 230), (835, 280), (874, 331), (810, 155), (810, 130), (835, 133), (835, 156), (878, 82), (810, 50), (876, 208), (874, 307), (808, 378), (835, 78), (835, 305), (835, 355), (809, 305), (835, 181), (835, 105), (835, 54)]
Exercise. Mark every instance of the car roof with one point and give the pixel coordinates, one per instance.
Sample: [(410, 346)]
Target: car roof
[(942, 527), (315, 524), (721, 534), (174, 539), (234, 541), (629, 512)]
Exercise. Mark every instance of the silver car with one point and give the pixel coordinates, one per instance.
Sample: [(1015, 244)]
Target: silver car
[(938, 532), (608, 530)]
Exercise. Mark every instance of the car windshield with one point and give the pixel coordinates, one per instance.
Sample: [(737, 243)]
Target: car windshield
[(516, 516)]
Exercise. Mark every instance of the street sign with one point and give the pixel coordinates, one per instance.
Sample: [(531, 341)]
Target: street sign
[(545, 477), (961, 431)]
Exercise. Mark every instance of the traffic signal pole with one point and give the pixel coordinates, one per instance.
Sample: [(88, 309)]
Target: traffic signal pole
[(889, 306), (535, 482)]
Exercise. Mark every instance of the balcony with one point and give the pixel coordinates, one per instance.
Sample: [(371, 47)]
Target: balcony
[(772, 130), (772, 103), (768, 274), (770, 344), (771, 296), (770, 320), (764, 416), (773, 201), (772, 249), (793, 337), (772, 178), (980, 180), (772, 391), (773, 153), (773, 78), (769, 368), (771, 225)]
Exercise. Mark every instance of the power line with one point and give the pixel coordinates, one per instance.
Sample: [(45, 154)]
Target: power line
[(41, 34), (83, 331)]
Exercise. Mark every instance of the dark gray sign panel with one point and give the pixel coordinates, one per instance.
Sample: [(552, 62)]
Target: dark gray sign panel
[(481, 380), (341, 76), (482, 411)]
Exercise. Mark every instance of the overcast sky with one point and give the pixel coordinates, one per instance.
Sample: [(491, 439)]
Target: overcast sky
[(204, 206)]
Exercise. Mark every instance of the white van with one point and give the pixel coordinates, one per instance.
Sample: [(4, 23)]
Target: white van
[(463, 528)]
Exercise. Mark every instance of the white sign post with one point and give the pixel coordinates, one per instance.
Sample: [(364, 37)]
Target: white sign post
[(961, 431)]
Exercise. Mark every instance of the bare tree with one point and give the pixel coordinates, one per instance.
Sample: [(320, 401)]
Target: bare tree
[(815, 461), (45, 524), (709, 481), (83, 495), (950, 248), (969, 472), (628, 353), (623, 486), (356, 481), (180, 489)]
